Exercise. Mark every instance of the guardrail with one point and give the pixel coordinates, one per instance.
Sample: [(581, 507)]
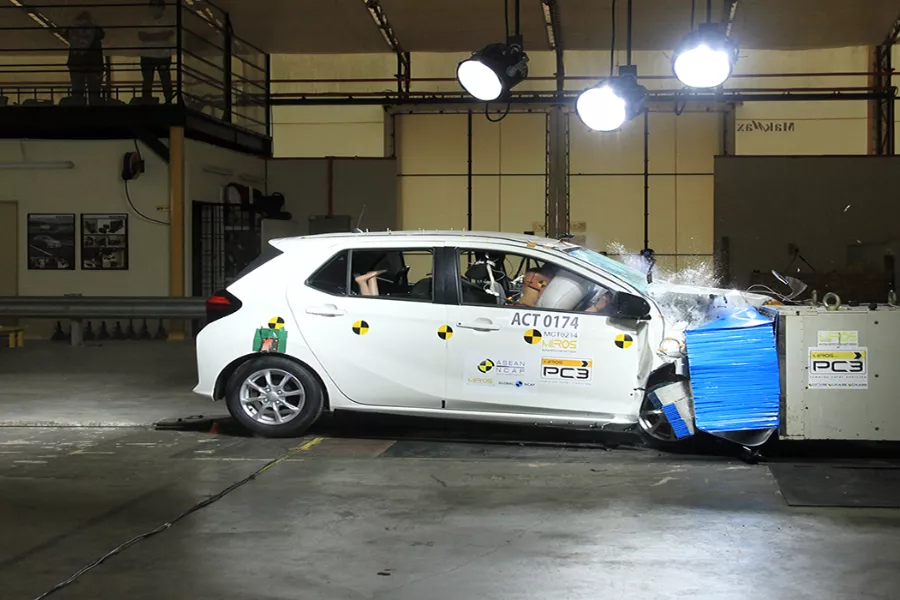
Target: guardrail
[(78, 308)]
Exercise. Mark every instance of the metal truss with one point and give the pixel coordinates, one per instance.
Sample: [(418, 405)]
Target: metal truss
[(554, 38), (387, 32), (883, 107)]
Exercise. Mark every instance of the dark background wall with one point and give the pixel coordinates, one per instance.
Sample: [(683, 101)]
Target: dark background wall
[(355, 182), (841, 212)]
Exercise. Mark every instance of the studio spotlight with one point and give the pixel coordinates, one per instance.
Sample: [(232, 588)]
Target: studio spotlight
[(493, 71), (705, 57), (607, 106)]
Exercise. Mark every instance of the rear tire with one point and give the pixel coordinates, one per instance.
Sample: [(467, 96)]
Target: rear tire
[(274, 397)]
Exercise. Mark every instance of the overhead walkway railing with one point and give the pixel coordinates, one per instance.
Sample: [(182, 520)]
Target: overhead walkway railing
[(132, 53)]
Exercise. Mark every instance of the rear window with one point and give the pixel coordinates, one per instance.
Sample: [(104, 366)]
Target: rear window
[(331, 277), (268, 253)]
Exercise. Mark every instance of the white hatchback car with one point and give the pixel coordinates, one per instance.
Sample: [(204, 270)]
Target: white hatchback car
[(464, 325)]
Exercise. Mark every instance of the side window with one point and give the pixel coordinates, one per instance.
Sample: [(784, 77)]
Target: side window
[(331, 277), (494, 279), (394, 274)]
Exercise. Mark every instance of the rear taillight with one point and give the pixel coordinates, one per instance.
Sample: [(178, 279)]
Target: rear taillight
[(221, 304)]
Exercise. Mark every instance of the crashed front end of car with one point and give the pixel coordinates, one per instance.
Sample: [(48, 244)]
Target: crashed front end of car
[(719, 368)]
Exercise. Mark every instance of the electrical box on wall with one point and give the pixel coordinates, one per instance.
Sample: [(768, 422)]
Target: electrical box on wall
[(329, 224), (132, 166)]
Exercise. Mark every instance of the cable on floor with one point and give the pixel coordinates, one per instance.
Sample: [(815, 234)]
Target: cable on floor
[(193, 509)]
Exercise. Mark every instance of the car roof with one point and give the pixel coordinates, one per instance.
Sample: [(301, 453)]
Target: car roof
[(517, 239)]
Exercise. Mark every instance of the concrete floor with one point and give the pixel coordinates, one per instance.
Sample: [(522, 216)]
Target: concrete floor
[(106, 384), (395, 518)]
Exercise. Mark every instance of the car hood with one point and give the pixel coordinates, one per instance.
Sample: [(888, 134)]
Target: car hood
[(687, 306)]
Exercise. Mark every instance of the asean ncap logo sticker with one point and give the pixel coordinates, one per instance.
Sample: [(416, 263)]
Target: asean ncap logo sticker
[(486, 365), (623, 340), (533, 336), (445, 332), (360, 328), (276, 323)]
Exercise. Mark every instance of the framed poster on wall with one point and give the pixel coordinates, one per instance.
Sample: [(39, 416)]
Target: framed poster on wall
[(51, 241), (104, 242)]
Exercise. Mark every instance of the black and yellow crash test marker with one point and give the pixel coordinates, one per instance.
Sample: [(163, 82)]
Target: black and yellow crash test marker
[(360, 328), (623, 340), (276, 323), (533, 336), (486, 365), (445, 332)]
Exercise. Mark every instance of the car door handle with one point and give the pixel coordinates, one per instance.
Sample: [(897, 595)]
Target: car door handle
[(478, 325), (329, 310)]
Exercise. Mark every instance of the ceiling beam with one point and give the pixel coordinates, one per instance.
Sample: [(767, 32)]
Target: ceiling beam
[(554, 98), (554, 38), (894, 34), (730, 11), (40, 19), (387, 32)]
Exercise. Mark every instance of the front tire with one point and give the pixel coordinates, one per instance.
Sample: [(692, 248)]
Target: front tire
[(656, 431), (274, 397)]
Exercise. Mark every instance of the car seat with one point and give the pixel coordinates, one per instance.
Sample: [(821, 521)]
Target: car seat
[(564, 292), (422, 289), (491, 279)]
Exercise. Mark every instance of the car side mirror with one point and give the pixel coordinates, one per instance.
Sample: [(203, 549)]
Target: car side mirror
[(629, 306)]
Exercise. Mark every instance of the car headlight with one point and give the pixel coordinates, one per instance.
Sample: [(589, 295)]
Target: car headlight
[(672, 348)]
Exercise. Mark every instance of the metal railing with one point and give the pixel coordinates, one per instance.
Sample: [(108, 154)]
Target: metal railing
[(188, 55), (76, 309)]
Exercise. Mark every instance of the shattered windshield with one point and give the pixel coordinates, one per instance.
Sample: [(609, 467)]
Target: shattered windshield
[(624, 272)]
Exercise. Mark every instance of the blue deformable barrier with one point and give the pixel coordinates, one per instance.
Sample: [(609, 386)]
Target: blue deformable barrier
[(733, 365)]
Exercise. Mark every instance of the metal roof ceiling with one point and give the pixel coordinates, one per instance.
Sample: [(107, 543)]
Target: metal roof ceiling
[(346, 26)]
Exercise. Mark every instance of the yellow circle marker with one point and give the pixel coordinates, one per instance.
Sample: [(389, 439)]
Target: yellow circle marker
[(533, 336), (360, 328), (623, 340), (445, 332), (276, 323), (486, 365)]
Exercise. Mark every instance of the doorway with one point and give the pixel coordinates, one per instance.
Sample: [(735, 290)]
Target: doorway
[(9, 253)]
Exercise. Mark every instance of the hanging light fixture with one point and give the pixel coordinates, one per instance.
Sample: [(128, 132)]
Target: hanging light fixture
[(497, 68), (494, 70), (610, 104), (705, 57)]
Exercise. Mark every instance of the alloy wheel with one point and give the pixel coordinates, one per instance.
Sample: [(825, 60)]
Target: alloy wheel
[(272, 396)]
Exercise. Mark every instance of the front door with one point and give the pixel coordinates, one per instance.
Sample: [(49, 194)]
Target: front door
[(546, 347), (380, 341)]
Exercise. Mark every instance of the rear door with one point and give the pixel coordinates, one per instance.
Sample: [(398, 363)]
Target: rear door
[(508, 356), (382, 349)]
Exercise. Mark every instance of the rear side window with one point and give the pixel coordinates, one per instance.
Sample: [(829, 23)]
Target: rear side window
[(331, 277), (393, 274)]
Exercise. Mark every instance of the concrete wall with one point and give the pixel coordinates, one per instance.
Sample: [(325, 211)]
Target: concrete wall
[(357, 182), (825, 206), (94, 186), (606, 185)]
